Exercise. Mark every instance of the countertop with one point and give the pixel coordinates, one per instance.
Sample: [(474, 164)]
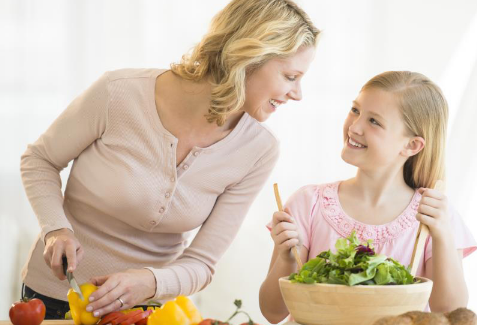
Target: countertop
[(45, 322), (70, 322)]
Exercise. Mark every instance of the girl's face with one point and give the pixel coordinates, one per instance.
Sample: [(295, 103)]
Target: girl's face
[(275, 82), (375, 136)]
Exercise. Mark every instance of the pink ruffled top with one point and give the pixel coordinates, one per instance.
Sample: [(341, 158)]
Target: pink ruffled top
[(321, 221)]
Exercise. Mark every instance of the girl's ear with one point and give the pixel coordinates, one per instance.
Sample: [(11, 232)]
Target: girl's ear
[(414, 146)]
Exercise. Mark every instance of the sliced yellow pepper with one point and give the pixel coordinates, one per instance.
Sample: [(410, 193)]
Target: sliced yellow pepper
[(189, 309), (181, 311), (78, 306)]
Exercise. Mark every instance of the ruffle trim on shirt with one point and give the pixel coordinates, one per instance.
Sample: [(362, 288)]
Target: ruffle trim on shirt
[(344, 224)]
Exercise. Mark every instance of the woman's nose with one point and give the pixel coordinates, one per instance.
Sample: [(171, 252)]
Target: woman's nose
[(295, 93)]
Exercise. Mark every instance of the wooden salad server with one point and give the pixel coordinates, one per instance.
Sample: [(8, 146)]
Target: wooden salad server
[(280, 208), (421, 237)]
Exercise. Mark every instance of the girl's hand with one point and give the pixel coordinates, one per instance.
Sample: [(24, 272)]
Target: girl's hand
[(59, 243), (433, 212), (132, 286), (284, 234)]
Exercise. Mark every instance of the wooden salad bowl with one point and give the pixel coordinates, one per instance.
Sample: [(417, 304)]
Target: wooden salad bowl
[(330, 304)]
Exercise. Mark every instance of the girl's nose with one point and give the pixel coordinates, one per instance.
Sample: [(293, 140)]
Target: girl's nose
[(355, 127)]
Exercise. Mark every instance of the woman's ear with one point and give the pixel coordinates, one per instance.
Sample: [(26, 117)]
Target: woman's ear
[(414, 146)]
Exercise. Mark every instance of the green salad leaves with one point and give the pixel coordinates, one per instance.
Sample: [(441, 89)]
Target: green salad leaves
[(353, 264)]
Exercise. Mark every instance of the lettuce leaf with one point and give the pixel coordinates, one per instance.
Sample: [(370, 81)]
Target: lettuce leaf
[(353, 263)]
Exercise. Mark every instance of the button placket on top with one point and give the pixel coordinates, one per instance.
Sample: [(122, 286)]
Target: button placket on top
[(167, 196), (188, 161)]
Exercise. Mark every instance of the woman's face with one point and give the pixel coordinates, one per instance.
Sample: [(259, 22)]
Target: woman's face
[(374, 132), (275, 82)]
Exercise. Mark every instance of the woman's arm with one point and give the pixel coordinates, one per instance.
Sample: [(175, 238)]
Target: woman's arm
[(285, 236), (83, 121), (193, 270), (444, 268), (78, 126)]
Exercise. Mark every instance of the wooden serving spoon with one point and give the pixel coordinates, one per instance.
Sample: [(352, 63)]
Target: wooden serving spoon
[(280, 208), (421, 237)]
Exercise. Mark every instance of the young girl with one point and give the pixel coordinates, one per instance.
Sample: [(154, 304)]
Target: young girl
[(395, 134)]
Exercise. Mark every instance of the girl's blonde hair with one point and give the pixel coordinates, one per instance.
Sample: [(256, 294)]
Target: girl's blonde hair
[(425, 112), (242, 37)]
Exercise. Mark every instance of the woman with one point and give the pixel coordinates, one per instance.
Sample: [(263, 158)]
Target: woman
[(159, 153)]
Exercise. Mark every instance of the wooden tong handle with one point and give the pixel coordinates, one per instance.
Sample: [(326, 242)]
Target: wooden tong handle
[(280, 208), (421, 237)]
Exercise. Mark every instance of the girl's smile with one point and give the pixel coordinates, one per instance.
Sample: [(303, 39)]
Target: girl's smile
[(353, 144)]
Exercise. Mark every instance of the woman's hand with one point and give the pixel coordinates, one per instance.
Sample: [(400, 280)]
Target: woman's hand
[(131, 286), (58, 243), (284, 234), (433, 212)]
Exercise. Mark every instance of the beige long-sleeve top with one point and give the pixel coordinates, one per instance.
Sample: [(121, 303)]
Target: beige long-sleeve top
[(127, 202)]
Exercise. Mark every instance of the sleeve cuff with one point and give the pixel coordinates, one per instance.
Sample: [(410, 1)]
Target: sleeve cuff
[(49, 228), (167, 283)]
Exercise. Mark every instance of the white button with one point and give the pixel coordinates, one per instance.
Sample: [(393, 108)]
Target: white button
[(173, 179), (161, 210), (196, 153), (153, 223), (167, 194), (186, 167)]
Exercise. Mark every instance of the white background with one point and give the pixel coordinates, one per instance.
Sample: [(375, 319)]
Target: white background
[(52, 50)]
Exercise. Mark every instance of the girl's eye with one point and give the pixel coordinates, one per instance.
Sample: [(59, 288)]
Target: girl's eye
[(373, 121), (354, 110), (291, 78)]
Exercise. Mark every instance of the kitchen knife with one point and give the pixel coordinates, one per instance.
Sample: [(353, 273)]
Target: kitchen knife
[(71, 278)]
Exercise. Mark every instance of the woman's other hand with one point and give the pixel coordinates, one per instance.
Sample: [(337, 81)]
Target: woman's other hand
[(121, 290), (59, 243), (284, 234)]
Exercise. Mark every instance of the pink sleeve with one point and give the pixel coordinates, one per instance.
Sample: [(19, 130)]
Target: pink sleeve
[(463, 238), (193, 270), (300, 206), (81, 124)]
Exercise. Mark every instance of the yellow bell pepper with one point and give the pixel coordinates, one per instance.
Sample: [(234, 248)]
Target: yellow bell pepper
[(189, 309), (78, 306), (181, 311)]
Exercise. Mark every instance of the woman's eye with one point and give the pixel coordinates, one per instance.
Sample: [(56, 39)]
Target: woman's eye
[(373, 121), (291, 78), (354, 110)]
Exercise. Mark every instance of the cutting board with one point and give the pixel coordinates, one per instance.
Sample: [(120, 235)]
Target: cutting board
[(45, 322), (70, 322)]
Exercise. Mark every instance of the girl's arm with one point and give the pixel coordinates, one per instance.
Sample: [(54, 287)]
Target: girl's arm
[(285, 236), (444, 268), (449, 290)]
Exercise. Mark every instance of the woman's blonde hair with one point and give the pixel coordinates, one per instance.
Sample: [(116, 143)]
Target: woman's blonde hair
[(242, 37), (425, 112)]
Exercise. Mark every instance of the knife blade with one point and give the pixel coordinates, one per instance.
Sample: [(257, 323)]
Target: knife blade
[(71, 279)]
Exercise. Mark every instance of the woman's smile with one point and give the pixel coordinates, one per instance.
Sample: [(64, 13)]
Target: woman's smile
[(274, 104)]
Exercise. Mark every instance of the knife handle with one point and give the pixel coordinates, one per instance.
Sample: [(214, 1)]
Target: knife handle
[(65, 264)]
